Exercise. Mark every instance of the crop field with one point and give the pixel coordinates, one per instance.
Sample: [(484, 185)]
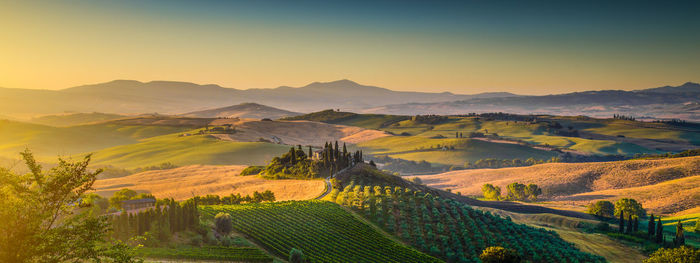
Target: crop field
[(187, 150), (324, 231), (458, 151), (451, 230), (236, 254)]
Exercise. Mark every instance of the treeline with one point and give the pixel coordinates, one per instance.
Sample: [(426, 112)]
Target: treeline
[(235, 199), (501, 163), (405, 166), (158, 222), (628, 213), (114, 172), (429, 119), (624, 117), (680, 123), (516, 192), (686, 153), (298, 164)]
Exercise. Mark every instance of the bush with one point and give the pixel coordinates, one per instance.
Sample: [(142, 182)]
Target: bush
[(499, 255), (602, 226), (602, 208), (223, 223), (252, 170), (630, 207), (682, 254), (196, 241), (296, 256)]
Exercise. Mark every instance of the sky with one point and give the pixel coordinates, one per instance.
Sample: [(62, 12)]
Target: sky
[(538, 47)]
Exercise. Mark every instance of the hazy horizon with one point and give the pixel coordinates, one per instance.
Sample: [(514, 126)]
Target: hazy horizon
[(460, 47)]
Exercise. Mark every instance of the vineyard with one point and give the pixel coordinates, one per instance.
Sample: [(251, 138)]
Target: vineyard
[(450, 230), (237, 254), (324, 231)]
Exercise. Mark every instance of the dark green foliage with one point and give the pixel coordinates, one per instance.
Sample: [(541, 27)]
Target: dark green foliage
[(499, 255), (233, 254), (222, 222), (683, 254), (602, 209), (630, 207), (296, 256), (651, 227), (622, 222), (491, 192), (178, 216), (448, 229), (521, 192), (679, 240), (252, 170), (659, 231), (234, 199)]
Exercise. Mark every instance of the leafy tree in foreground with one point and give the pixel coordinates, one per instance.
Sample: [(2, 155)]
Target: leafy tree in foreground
[(42, 219), (223, 223), (499, 255), (602, 208), (683, 254)]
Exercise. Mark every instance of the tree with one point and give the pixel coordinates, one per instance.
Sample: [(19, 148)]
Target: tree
[(516, 191), (630, 224), (679, 240), (630, 207), (650, 227), (532, 191), (683, 254), (659, 231), (602, 208), (622, 222), (491, 192), (121, 195), (223, 223), (296, 256), (499, 255), (41, 221)]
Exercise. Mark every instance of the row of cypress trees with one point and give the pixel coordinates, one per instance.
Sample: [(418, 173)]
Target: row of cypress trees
[(654, 229), (334, 159), (168, 216)]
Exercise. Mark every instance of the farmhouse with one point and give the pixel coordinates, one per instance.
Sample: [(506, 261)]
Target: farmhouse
[(138, 203)]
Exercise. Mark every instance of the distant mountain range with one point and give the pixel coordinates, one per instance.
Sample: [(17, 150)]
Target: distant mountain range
[(167, 97)]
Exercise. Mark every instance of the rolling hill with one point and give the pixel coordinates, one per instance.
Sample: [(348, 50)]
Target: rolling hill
[(183, 182), (243, 110), (663, 186), (73, 119)]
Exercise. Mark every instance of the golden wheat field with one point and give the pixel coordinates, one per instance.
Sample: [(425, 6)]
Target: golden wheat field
[(185, 182), (664, 186)]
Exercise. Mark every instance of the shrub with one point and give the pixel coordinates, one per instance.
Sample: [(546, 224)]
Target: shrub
[(630, 207), (252, 170), (296, 256), (223, 223), (499, 255), (602, 208), (682, 254), (491, 192)]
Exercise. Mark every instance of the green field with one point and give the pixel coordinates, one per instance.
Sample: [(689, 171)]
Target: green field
[(419, 148), (235, 254), (448, 229), (369, 121), (196, 149), (75, 119), (47, 142), (324, 231)]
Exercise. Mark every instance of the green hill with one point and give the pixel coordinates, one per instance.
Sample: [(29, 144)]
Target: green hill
[(47, 142), (368, 121), (324, 231), (186, 150), (73, 119)]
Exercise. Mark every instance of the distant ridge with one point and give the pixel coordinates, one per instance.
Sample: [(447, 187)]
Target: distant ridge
[(243, 110)]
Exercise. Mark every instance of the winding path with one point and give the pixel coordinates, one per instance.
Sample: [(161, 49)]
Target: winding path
[(329, 187)]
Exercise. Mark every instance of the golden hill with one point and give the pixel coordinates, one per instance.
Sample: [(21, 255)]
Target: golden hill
[(184, 182), (663, 186)]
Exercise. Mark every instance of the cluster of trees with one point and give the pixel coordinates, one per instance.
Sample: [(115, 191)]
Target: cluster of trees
[(516, 192), (629, 211), (157, 223), (429, 119), (235, 199), (405, 166), (501, 163), (127, 194), (679, 123), (624, 117), (297, 164), (43, 219)]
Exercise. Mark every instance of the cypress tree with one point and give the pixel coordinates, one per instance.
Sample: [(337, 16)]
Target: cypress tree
[(636, 224), (337, 151), (311, 153), (293, 155), (622, 222), (659, 231), (650, 227), (629, 224), (679, 240)]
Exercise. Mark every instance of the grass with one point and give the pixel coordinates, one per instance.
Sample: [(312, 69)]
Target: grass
[(236, 254), (48, 142), (187, 150), (324, 231), (419, 148), (75, 119)]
